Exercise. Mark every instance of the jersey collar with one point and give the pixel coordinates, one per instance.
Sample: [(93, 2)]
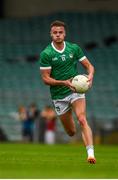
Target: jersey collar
[(57, 49)]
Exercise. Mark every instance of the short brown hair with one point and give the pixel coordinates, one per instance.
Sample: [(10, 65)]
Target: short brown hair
[(58, 23)]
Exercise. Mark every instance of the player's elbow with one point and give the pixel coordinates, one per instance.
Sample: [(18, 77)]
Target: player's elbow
[(45, 81), (93, 69)]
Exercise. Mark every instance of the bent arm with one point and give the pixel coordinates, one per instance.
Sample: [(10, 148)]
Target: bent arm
[(45, 74), (90, 69), (88, 66)]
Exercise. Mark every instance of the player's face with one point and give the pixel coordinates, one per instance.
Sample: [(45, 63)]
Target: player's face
[(58, 34)]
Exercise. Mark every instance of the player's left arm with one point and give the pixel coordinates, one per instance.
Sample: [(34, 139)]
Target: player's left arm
[(90, 69)]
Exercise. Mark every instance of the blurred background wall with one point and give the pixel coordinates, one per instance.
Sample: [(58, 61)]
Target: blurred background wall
[(26, 8)]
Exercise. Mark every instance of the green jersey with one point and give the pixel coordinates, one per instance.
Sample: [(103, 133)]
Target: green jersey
[(63, 65)]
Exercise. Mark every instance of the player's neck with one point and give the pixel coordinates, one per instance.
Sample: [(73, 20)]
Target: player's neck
[(58, 46)]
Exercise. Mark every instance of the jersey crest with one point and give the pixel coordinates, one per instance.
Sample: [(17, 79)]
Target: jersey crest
[(63, 57)]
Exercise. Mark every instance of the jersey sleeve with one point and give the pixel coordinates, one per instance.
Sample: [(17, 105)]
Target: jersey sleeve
[(79, 53), (44, 61)]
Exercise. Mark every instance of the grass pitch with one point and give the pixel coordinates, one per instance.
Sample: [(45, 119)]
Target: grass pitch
[(56, 161)]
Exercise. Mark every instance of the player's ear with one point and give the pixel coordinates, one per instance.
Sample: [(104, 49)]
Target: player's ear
[(64, 33), (50, 34)]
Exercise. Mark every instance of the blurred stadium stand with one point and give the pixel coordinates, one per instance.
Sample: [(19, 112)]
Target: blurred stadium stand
[(97, 34)]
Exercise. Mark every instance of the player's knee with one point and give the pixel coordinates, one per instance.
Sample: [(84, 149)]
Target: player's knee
[(82, 120), (71, 132)]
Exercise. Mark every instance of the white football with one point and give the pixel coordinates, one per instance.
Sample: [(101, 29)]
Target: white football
[(81, 84)]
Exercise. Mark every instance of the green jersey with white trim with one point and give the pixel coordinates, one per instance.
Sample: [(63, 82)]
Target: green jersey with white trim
[(63, 65)]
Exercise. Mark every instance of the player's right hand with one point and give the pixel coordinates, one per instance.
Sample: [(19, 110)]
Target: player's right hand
[(68, 83)]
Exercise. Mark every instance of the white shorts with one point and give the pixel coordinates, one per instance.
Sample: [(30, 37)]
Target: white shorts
[(63, 105)]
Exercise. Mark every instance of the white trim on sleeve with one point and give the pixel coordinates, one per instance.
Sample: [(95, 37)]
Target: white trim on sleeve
[(49, 67), (81, 59)]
